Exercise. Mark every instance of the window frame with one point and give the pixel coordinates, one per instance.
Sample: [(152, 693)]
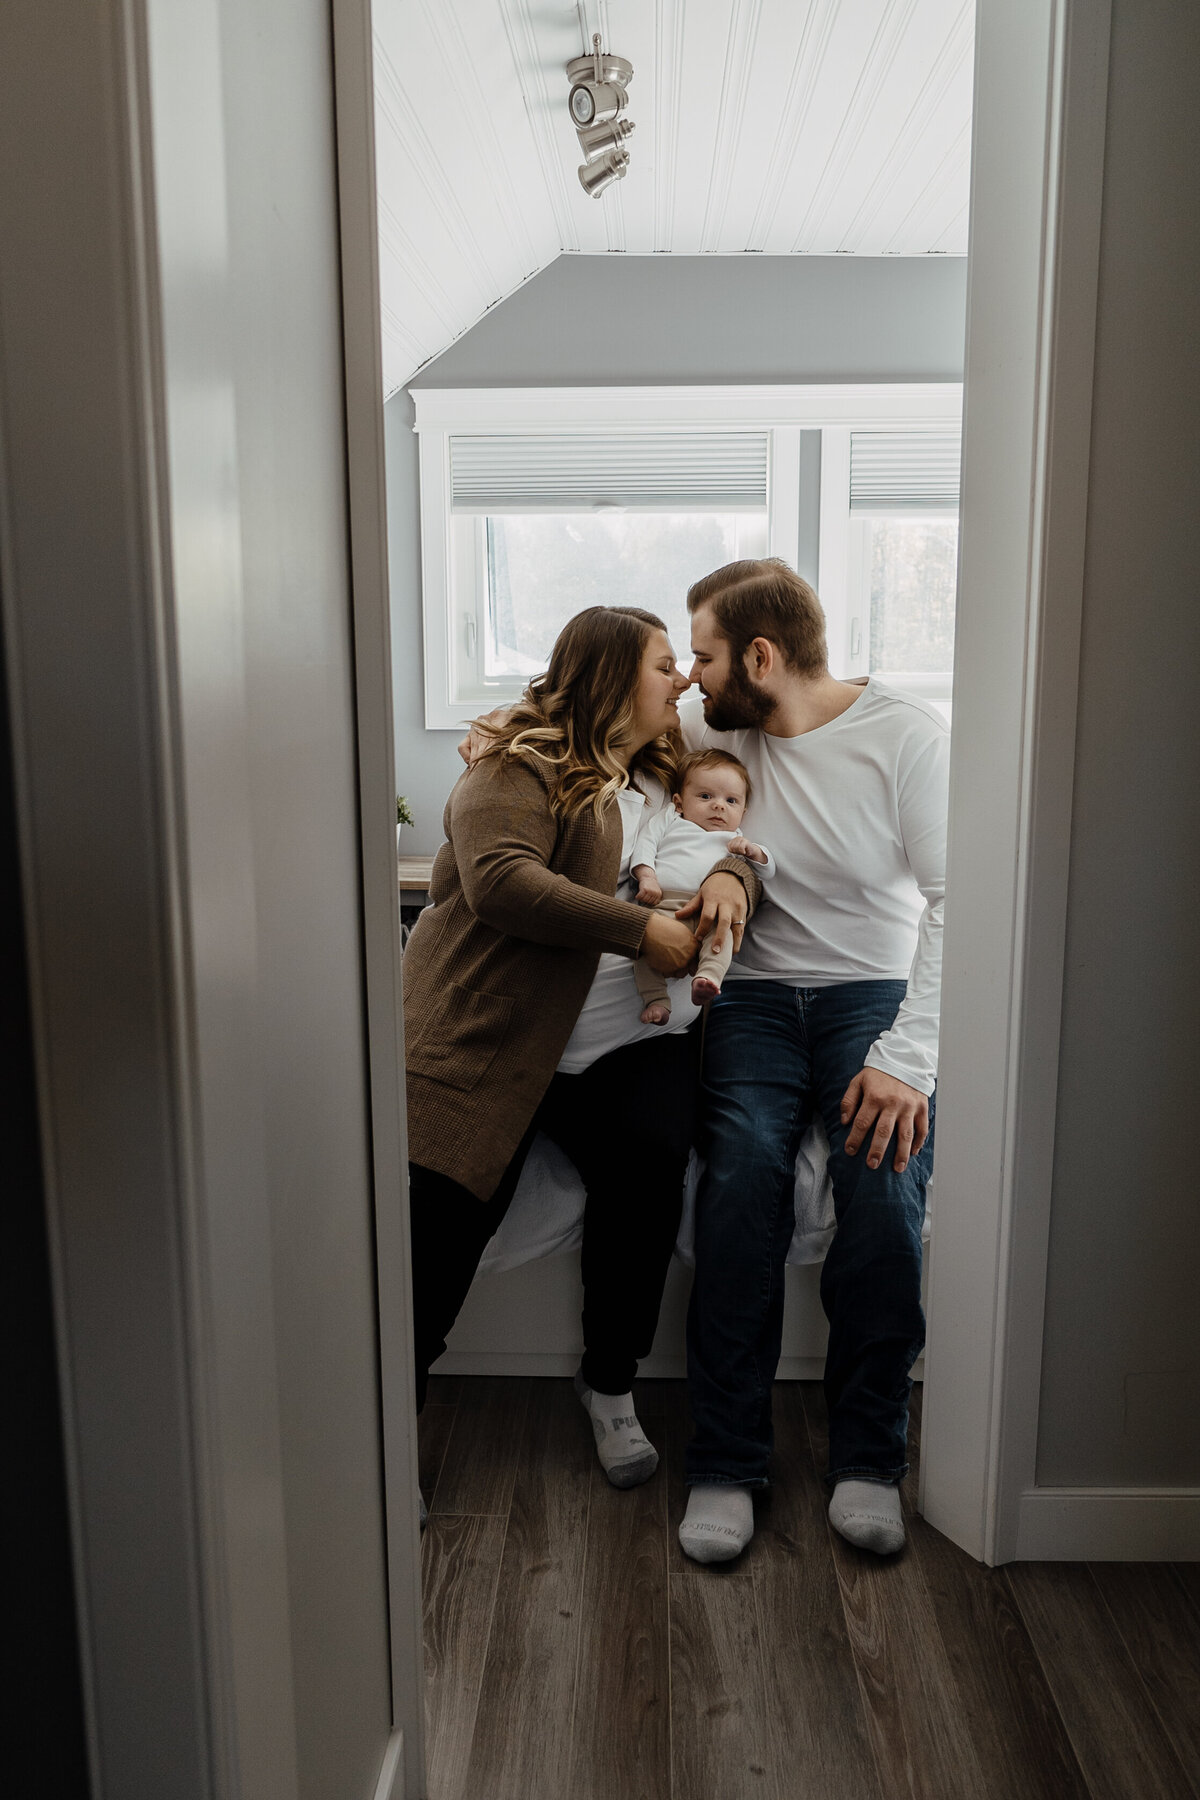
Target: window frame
[(844, 578), (452, 548)]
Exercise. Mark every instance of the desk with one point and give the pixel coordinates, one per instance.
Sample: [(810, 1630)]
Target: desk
[(414, 873)]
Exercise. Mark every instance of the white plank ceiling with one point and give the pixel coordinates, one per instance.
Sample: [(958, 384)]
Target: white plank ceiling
[(788, 127)]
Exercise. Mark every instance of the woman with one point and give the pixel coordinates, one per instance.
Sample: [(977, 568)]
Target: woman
[(496, 974)]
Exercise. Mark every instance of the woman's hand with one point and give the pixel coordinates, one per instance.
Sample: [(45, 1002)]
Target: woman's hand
[(668, 946), (722, 905)]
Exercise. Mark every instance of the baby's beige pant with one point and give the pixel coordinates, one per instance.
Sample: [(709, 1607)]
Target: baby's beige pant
[(714, 964)]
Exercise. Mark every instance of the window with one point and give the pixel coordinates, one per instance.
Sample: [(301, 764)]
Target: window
[(537, 503), (648, 559), (889, 524)]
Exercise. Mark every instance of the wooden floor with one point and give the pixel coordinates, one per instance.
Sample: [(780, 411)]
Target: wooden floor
[(574, 1653)]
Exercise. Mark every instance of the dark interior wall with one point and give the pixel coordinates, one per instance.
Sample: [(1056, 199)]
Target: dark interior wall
[(624, 321), (1121, 1370), (44, 1727)]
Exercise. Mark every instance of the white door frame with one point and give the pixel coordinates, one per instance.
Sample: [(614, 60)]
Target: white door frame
[(1037, 174), (404, 1771)]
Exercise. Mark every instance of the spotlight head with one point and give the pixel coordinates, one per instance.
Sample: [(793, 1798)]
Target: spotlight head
[(594, 101), (611, 68), (610, 134), (595, 176)]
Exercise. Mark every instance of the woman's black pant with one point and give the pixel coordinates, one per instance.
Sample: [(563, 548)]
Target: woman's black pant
[(627, 1124)]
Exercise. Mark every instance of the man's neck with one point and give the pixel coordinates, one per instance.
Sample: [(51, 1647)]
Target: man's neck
[(805, 704)]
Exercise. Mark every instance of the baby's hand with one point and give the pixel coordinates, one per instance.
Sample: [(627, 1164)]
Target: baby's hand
[(649, 893), (741, 846)]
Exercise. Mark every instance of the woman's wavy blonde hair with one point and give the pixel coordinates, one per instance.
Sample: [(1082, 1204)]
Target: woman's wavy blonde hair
[(572, 721)]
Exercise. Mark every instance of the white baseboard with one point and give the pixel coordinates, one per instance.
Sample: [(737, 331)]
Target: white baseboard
[(1109, 1525), (390, 1785), (658, 1367)]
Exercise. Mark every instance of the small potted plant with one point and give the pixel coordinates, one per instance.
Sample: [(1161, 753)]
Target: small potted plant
[(403, 817)]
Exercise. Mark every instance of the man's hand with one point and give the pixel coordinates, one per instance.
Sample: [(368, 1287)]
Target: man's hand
[(721, 905), (478, 737), (879, 1100), (741, 846), (667, 946), (649, 893)]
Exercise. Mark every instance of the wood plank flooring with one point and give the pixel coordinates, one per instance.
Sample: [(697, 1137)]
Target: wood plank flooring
[(574, 1653)]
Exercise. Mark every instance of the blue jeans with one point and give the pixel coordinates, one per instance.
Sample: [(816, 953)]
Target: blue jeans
[(772, 1054)]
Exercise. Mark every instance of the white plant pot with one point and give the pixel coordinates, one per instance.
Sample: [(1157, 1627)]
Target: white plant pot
[(399, 829)]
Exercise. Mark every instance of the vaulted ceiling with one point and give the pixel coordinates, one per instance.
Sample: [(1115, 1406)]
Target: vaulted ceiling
[(784, 127)]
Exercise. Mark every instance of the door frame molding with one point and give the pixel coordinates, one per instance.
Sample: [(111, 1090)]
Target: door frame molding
[(1036, 188), (358, 226)]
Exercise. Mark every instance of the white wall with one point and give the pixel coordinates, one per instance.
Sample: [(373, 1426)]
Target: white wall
[(287, 843), (177, 615), (1120, 1398), (687, 319)]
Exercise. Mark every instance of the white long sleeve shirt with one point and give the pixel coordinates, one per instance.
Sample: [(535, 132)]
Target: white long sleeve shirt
[(855, 813), (681, 853), (611, 1012)]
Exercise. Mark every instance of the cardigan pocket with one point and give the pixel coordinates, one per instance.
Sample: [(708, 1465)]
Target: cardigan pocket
[(459, 1044)]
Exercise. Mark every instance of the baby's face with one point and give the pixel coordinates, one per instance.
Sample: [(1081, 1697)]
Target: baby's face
[(713, 798)]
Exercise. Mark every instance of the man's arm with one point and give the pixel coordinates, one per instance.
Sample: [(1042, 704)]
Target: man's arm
[(892, 1091)]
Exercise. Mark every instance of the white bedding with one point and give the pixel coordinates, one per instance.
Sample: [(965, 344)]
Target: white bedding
[(546, 1215)]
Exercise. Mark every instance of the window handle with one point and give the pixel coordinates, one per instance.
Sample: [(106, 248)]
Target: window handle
[(469, 626), (855, 638)]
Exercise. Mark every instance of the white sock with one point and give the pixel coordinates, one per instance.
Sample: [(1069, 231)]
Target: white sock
[(626, 1454), (718, 1523), (867, 1513)]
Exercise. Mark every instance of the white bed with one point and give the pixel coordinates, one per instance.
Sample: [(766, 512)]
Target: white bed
[(522, 1314)]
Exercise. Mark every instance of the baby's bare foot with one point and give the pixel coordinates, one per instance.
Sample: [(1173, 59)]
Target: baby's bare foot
[(703, 990), (657, 1013)]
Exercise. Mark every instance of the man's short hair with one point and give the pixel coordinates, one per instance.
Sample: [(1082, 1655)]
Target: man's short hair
[(763, 597), (712, 759)]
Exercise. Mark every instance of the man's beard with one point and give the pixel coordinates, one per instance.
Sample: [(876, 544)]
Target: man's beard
[(740, 706)]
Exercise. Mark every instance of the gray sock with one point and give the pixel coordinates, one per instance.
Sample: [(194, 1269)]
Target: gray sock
[(626, 1454), (718, 1523), (867, 1513)]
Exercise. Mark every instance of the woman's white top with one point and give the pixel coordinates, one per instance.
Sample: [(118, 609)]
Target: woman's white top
[(855, 812), (611, 1013)]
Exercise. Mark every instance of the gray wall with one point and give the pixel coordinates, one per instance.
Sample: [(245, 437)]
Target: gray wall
[(286, 303), (178, 640), (686, 319), (1121, 1370)]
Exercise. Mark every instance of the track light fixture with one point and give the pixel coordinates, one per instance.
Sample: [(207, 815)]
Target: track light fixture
[(598, 96), (595, 176)]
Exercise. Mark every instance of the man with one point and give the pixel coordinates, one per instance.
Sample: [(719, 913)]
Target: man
[(831, 1005)]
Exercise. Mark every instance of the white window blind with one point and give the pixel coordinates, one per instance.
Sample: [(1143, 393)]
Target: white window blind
[(668, 471), (904, 471)]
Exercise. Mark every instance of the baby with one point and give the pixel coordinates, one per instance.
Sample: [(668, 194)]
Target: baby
[(675, 851)]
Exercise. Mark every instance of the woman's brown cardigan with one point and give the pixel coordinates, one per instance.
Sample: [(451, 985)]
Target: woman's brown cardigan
[(497, 969)]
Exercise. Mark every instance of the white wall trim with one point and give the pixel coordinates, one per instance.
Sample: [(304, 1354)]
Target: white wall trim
[(810, 407), (1041, 95), (391, 1784), (1109, 1525), (354, 124), (658, 1366)]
